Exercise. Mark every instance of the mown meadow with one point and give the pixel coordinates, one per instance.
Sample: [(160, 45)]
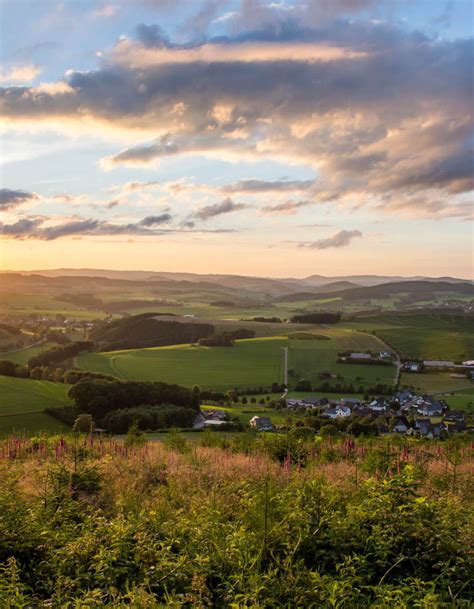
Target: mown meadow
[(246, 521), (252, 362)]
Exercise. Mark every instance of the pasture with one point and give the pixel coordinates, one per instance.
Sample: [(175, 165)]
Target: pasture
[(23, 401), (423, 336), (22, 356), (252, 362)]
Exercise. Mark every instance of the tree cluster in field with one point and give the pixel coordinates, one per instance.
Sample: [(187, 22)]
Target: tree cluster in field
[(46, 373), (149, 417), (56, 355), (317, 318), (99, 397), (227, 338), (271, 320), (147, 330)]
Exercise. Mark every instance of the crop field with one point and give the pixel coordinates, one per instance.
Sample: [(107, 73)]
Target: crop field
[(425, 337), (253, 362), (25, 395)]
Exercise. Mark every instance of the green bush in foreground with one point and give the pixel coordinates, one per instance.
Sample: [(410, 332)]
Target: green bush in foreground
[(160, 526)]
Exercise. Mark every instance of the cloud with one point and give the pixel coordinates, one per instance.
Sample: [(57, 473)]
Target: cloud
[(155, 220), (339, 239), (107, 10), (224, 207), (377, 112), (20, 74), (253, 185), (12, 198), (288, 208), (40, 228)]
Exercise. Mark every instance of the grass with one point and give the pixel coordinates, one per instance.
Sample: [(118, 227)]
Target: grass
[(424, 337), (253, 362), (22, 356), (434, 382), (25, 395), (22, 405), (30, 424)]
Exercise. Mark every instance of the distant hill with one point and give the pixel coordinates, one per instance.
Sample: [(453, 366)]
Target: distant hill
[(422, 290)]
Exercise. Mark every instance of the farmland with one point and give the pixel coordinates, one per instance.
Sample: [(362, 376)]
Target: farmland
[(22, 402), (252, 362), (22, 356), (423, 336)]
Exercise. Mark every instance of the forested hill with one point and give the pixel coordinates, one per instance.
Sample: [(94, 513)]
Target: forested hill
[(148, 330)]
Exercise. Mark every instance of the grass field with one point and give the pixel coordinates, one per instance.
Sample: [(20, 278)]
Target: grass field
[(30, 424), (25, 395), (22, 402), (434, 382), (22, 356), (462, 400), (425, 337), (253, 362)]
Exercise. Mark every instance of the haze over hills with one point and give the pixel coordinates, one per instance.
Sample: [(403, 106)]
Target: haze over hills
[(242, 281)]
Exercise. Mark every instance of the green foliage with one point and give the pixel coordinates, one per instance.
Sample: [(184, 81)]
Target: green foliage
[(140, 526)]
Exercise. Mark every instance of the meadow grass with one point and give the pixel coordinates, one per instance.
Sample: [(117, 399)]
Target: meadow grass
[(19, 395), (22, 356), (252, 362), (424, 337)]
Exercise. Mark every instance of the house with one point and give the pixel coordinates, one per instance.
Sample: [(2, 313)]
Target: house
[(438, 363), (352, 402), (360, 356), (401, 425), (412, 367), (454, 415), (337, 412), (402, 397), (431, 408), (261, 423), (379, 405), (430, 430), (214, 423), (199, 421)]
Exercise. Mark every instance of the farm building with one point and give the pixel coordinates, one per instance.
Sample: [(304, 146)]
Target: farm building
[(261, 423), (438, 363), (360, 356)]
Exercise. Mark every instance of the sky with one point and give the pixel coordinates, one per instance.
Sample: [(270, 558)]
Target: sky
[(276, 138)]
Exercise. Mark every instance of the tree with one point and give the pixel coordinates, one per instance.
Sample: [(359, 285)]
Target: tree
[(84, 424)]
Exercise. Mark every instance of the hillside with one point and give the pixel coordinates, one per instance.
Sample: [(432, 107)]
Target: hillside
[(419, 290), (149, 330)]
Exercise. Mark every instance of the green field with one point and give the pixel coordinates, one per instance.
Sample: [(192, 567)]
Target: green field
[(25, 395), (30, 424), (22, 402), (22, 356), (253, 362), (424, 337), (434, 382), (462, 400)]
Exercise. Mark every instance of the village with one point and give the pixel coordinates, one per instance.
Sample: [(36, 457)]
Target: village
[(403, 413)]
